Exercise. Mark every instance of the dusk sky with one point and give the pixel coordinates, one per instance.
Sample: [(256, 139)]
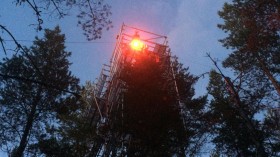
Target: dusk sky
[(191, 30), (190, 25)]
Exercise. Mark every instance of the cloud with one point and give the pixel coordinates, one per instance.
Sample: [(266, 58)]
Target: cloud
[(188, 24), (195, 31)]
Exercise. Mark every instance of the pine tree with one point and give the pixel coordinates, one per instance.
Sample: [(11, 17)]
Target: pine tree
[(236, 132), (77, 130), (34, 84), (152, 120), (253, 35), (252, 29)]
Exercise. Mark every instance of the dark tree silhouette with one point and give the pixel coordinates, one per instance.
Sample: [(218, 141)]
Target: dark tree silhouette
[(29, 95), (149, 124), (76, 133), (152, 118), (253, 35), (231, 119), (252, 29)]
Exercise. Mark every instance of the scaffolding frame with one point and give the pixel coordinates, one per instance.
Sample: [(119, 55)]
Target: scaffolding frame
[(109, 86)]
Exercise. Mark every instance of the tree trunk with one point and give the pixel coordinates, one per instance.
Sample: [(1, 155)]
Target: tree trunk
[(254, 136), (30, 119), (269, 75)]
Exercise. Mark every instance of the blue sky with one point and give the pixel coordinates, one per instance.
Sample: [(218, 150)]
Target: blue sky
[(190, 25)]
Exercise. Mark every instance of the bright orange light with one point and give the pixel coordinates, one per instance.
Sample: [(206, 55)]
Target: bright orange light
[(137, 44)]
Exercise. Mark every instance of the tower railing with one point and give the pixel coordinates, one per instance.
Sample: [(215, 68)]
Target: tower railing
[(110, 87)]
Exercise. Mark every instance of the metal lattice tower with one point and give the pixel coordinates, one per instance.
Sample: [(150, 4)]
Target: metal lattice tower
[(109, 87)]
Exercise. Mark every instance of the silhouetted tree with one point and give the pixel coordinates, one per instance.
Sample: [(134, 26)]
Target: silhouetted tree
[(272, 128), (30, 94), (235, 131), (253, 35), (75, 134), (152, 117)]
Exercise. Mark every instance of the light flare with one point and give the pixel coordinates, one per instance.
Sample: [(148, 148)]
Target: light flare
[(137, 44)]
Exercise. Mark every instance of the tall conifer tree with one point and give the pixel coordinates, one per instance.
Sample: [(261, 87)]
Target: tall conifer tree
[(34, 84)]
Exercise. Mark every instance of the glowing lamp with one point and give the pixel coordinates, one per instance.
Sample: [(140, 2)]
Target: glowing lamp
[(136, 44)]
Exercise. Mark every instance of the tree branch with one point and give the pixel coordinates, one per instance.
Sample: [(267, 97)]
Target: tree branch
[(61, 14), (3, 46), (236, 99), (37, 12), (23, 50), (38, 82)]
